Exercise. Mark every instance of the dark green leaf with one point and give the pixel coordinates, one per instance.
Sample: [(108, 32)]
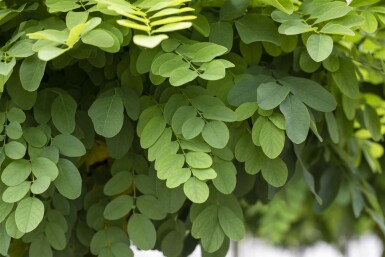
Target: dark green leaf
[(63, 113), (270, 95), (141, 232), (297, 119), (107, 115), (31, 72), (69, 145), (69, 181), (256, 27), (311, 93), (275, 172)]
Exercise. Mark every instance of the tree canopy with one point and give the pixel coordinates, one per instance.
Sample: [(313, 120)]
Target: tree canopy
[(175, 123)]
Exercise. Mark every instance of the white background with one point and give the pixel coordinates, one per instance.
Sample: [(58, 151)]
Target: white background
[(365, 246)]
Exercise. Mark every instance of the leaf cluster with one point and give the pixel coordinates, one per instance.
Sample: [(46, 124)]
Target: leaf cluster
[(172, 123)]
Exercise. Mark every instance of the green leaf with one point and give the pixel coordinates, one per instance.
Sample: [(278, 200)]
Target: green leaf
[(255, 28), (213, 70), (192, 127), (29, 213), (256, 130), (16, 172), (99, 38), (371, 24), (151, 207), (167, 67), (6, 68), (182, 76), (221, 33), (14, 130), (35, 137), (245, 111), (40, 185), (199, 160), (16, 115), (21, 97), (283, 5), (173, 27), (372, 122), (15, 150), (230, 223), (205, 52), (106, 114), (172, 244), (244, 148), (165, 139), (272, 140), (294, 27), (204, 174), (149, 41), (11, 227), (152, 131), (141, 231), (110, 235), (69, 145), (216, 134), (176, 177), (254, 165), (168, 163), (297, 119), (119, 145), (51, 52), (31, 72), (311, 93), (16, 193), (225, 180), (121, 249), (63, 113), (245, 89), (270, 95), (5, 210), (332, 127), (196, 190), (337, 29), (332, 63), (42, 107), (119, 183), (131, 102), (206, 226), (329, 185), (157, 60), (319, 47), (201, 25), (42, 166), (146, 59), (329, 11), (69, 181), (55, 236), (275, 172), (40, 247), (346, 79), (75, 18), (181, 115), (232, 9), (118, 208)]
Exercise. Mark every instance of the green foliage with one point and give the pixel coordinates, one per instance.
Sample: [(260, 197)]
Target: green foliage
[(172, 123)]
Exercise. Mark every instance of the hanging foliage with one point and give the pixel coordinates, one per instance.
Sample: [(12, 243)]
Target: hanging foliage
[(173, 123)]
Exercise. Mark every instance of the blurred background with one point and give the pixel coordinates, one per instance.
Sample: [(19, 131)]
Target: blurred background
[(367, 245), (291, 223)]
